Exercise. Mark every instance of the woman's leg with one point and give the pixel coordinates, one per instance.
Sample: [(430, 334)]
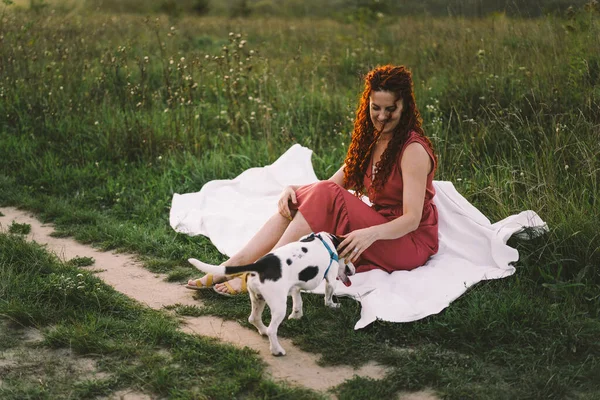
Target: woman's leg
[(291, 232), (295, 230), (260, 244), (263, 242)]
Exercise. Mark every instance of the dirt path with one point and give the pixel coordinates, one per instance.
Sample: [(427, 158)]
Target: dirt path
[(128, 276)]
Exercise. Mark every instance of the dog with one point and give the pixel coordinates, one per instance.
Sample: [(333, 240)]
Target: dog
[(288, 269)]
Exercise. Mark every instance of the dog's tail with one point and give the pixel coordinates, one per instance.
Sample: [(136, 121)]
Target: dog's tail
[(219, 269)]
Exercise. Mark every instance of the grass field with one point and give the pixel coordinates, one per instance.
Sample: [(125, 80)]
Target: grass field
[(104, 116), (91, 341)]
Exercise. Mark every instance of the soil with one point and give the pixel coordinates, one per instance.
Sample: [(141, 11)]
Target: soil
[(127, 275)]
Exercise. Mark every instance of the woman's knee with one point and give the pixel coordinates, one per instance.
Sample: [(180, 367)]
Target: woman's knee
[(326, 188), (319, 200)]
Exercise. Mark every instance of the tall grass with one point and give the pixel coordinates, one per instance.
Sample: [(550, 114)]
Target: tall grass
[(343, 10), (511, 105), (104, 116)]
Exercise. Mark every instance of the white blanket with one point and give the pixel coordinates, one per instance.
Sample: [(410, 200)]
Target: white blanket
[(471, 249)]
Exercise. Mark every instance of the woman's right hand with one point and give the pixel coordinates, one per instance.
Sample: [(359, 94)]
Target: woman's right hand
[(288, 194)]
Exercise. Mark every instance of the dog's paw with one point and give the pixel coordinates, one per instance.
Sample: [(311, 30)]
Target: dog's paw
[(278, 352), (333, 305), (296, 315)]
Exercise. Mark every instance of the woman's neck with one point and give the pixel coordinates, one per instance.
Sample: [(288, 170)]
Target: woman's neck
[(384, 137)]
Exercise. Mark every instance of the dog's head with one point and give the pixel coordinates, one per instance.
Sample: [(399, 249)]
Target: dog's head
[(346, 268)]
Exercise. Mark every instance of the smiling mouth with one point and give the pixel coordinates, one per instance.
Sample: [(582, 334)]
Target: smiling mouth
[(382, 127)]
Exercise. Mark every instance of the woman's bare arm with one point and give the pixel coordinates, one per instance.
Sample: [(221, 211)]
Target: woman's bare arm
[(338, 177), (415, 165)]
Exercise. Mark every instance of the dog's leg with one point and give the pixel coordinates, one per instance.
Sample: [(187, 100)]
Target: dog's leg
[(330, 284), (277, 303), (258, 306), (329, 289), (296, 304)]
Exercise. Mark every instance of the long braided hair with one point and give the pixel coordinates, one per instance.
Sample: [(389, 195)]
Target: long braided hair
[(396, 80)]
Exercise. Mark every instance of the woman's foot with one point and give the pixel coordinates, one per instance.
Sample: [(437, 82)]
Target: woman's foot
[(232, 287), (206, 281)]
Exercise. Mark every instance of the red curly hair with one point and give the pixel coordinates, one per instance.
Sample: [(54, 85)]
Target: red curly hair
[(397, 80)]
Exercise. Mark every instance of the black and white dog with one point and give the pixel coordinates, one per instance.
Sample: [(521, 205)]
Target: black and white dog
[(296, 266)]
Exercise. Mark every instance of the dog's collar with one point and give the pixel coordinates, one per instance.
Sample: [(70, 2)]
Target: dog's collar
[(332, 254)]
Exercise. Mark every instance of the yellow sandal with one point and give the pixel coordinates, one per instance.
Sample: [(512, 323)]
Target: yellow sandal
[(230, 290), (200, 286)]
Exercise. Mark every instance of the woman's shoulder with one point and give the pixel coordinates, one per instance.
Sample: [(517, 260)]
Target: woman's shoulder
[(412, 138), (414, 135), (416, 145)]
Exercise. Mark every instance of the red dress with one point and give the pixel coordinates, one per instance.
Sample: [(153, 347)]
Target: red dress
[(331, 208)]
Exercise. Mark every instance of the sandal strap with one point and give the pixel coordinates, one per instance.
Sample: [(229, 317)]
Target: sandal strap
[(230, 290), (209, 281), (244, 278), (243, 289)]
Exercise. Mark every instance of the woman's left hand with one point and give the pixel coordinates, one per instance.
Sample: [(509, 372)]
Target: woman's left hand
[(355, 243)]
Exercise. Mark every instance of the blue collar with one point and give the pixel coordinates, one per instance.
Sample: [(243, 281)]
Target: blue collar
[(332, 255)]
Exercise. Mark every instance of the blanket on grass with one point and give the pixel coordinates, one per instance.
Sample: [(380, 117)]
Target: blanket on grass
[(471, 248)]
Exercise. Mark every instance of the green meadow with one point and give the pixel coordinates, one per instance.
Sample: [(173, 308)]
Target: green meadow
[(105, 115)]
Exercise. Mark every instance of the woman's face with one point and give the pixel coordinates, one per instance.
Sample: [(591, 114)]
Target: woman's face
[(385, 111)]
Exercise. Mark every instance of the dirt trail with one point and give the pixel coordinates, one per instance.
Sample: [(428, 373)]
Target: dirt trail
[(128, 276)]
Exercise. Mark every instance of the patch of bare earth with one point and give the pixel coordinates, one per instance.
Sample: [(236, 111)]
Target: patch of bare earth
[(42, 366), (128, 276), (127, 395), (422, 395)]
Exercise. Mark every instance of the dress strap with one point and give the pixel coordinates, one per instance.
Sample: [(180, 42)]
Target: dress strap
[(415, 137)]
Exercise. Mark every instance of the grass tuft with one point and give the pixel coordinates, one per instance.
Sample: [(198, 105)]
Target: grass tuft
[(81, 261), (180, 274), (19, 229)]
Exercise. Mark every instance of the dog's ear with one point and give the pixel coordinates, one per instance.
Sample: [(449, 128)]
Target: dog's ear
[(308, 238), (336, 240)]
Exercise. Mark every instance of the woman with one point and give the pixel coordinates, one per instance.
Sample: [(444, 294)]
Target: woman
[(389, 160)]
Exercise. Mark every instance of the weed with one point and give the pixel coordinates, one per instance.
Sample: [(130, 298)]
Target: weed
[(19, 229), (81, 261)]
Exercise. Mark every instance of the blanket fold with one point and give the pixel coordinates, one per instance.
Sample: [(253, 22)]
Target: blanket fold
[(230, 212)]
